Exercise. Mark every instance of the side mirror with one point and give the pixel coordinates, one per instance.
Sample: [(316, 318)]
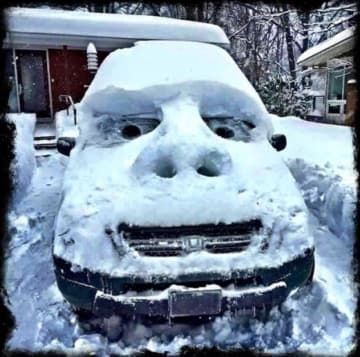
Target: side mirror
[(64, 145), (278, 141)]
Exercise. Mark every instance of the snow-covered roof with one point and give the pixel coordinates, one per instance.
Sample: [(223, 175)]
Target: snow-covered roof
[(56, 28), (330, 48)]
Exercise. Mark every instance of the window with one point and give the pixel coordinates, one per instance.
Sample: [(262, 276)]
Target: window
[(338, 78), (336, 84), (334, 108)]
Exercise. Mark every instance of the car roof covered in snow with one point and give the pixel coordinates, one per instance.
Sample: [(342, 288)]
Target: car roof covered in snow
[(328, 49), (156, 64), (53, 27)]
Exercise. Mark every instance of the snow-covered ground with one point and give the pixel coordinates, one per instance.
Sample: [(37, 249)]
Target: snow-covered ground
[(321, 320)]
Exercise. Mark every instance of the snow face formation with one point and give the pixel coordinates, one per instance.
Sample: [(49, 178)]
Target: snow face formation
[(24, 164), (165, 140)]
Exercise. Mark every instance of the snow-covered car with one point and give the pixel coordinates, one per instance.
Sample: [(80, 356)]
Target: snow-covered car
[(175, 202)]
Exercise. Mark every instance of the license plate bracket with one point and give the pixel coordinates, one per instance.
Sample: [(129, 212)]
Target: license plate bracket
[(194, 302)]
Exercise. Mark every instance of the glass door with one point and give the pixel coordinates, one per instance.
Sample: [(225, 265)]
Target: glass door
[(33, 82), (336, 99)]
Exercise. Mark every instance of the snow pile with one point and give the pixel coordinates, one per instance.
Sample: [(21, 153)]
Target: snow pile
[(317, 143), (328, 197), (321, 158), (35, 301), (163, 63), (24, 164), (65, 126)]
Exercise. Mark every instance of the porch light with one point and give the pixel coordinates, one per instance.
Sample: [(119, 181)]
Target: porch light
[(92, 60)]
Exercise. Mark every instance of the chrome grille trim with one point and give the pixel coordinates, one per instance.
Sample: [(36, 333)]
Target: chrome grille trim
[(182, 240)]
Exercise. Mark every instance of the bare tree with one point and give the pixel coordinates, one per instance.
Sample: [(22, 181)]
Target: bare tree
[(264, 38)]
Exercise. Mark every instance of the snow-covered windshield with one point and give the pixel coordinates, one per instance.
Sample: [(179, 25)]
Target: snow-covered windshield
[(131, 85)]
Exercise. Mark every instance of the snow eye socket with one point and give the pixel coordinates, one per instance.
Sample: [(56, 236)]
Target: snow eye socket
[(231, 127), (225, 132), (130, 131), (117, 129)]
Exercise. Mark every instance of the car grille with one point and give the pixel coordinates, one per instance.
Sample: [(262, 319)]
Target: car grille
[(181, 240)]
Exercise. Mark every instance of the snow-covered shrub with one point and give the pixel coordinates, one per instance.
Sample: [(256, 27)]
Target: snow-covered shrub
[(279, 97), (24, 164)]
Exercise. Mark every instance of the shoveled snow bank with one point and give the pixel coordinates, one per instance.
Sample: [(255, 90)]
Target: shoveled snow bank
[(328, 196), (321, 158), (24, 164)]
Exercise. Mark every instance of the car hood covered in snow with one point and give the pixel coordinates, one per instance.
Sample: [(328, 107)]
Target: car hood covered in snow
[(111, 180)]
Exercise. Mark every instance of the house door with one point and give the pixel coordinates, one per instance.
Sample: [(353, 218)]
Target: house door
[(10, 77), (33, 82)]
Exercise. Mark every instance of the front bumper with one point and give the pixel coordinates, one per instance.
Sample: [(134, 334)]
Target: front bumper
[(203, 294), (200, 302)]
